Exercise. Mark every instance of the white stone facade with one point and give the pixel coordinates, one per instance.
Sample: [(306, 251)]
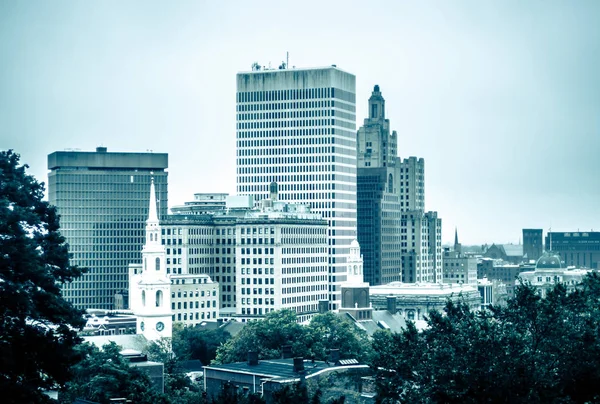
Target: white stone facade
[(297, 127)]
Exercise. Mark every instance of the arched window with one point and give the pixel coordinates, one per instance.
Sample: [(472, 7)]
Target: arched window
[(355, 269), (143, 297), (157, 263), (159, 298)]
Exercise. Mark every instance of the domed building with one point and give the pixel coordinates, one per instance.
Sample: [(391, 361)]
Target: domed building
[(549, 271), (548, 261)]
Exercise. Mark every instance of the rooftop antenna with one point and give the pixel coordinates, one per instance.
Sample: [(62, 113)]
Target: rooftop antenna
[(287, 60)]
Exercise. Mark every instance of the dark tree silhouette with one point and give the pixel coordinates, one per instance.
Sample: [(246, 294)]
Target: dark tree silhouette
[(37, 326)]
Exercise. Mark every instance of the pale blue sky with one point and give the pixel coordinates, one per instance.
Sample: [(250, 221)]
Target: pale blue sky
[(501, 98)]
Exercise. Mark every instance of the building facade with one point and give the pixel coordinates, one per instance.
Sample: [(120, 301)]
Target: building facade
[(400, 242), (579, 249), (416, 300), (549, 271), (161, 294), (259, 259), (297, 127), (533, 245), (102, 198)]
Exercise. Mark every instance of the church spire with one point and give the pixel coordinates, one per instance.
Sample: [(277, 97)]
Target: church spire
[(455, 236), (152, 211)]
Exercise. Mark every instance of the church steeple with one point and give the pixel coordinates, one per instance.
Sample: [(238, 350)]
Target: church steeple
[(151, 300), (457, 245), (152, 223), (152, 211)]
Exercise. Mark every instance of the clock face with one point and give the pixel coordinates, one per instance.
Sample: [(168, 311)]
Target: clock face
[(142, 326), (160, 326)]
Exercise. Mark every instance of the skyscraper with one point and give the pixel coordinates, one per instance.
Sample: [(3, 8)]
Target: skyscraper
[(399, 241), (297, 127), (102, 198)]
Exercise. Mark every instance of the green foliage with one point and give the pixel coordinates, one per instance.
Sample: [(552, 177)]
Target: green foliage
[(324, 332), (265, 336), (229, 394), (292, 393), (37, 326), (105, 374), (179, 389), (198, 343), (533, 350), (329, 331)]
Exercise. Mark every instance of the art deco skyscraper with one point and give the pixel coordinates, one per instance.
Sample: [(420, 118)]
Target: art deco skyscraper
[(400, 242), (297, 127), (102, 199)]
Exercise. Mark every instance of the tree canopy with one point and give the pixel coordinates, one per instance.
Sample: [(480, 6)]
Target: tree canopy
[(533, 350), (197, 343), (105, 374), (37, 326), (324, 332)]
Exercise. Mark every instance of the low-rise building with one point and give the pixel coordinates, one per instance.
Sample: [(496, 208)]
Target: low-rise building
[(512, 253), (416, 300), (549, 271), (459, 268), (266, 376)]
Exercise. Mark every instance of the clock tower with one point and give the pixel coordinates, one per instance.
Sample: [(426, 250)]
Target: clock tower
[(151, 302)]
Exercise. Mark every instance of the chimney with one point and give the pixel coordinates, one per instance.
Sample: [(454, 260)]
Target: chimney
[(298, 364), (286, 352), (334, 356), (391, 304), (252, 358), (323, 306)]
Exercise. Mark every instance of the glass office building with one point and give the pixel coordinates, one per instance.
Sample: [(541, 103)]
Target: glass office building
[(297, 127), (102, 199)]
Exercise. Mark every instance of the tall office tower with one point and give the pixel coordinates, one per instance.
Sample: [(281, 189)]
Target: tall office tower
[(102, 199), (399, 241), (533, 245), (297, 127)]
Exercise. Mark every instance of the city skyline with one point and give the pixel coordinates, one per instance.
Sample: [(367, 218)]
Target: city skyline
[(500, 99)]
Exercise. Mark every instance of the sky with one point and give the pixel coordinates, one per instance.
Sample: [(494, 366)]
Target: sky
[(501, 98)]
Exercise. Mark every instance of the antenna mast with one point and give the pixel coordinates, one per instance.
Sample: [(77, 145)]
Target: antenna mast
[(287, 60)]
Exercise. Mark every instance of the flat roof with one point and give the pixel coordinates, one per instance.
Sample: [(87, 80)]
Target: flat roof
[(274, 70), (274, 368), (108, 160)]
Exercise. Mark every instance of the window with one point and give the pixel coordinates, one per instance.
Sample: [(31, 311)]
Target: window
[(157, 263), (159, 298)]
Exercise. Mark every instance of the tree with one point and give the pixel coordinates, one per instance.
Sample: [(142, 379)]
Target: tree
[(229, 394), (329, 331), (266, 336), (533, 350), (323, 333), (178, 387), (198, 343), (105, 374), (37, 326)]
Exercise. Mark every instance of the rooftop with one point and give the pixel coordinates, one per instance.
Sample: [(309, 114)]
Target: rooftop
[(282, 369), (400, 288)]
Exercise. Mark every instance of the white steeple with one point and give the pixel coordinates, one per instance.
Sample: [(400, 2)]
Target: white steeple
[(152, 303), (355, 265)]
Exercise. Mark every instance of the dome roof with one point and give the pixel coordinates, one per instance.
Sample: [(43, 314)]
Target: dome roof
[(548, 260), (354, 244)]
